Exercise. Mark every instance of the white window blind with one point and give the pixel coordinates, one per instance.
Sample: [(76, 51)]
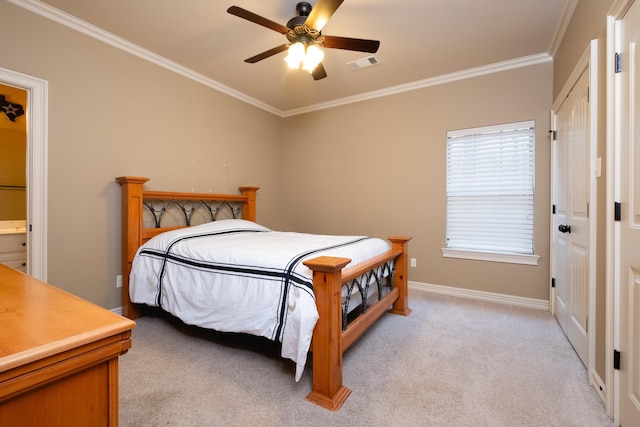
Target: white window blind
[(490, 188)]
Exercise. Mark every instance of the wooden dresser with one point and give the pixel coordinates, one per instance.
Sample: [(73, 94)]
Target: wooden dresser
[(58, 356)]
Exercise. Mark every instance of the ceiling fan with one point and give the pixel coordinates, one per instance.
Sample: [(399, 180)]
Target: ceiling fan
[(305, 38)]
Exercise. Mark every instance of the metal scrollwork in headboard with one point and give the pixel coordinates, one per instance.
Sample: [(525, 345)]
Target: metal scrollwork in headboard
[(158, 208)]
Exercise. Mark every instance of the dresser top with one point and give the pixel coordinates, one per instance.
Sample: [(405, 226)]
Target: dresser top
[(38, 320)]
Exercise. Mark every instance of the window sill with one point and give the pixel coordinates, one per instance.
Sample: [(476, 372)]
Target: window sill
[(485, 256)]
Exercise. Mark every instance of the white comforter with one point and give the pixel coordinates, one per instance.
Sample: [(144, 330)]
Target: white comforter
[(237, 276)]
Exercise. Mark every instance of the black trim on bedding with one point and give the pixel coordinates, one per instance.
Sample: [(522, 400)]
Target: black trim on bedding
[(282, 318), (287, 276), (166, 256)]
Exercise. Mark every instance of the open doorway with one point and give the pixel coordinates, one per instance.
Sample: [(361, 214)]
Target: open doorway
[(35, 192), (13, 177)]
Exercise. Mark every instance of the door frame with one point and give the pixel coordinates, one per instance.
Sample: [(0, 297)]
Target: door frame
[(588, 60), (37, 150)]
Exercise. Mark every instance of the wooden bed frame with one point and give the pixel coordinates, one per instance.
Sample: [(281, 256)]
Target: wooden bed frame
[(329, 274)]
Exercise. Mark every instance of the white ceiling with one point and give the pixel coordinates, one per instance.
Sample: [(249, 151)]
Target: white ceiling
[(420, 41)]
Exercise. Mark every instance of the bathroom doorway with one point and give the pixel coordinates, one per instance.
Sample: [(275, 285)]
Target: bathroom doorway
[(13, 177), (24, 113)]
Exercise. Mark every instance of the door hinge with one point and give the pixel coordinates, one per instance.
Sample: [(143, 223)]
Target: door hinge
[(553, 209), (618, 62), (554, 135), (616, 360), (553, 282), (617, 211)]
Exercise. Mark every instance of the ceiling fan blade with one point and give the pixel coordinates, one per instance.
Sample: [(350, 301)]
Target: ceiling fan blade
[(321, 12), (347, 43), (257, 19), (266, 54), (319, 72)]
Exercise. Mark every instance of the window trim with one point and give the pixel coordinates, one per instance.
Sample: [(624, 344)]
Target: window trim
[(494, 257)]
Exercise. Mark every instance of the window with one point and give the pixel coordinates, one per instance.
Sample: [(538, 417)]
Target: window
[(490, 188)]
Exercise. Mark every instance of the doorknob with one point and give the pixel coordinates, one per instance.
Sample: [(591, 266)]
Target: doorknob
[(564, 228)]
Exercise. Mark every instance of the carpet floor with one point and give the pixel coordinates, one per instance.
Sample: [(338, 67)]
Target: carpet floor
[(452, 362)]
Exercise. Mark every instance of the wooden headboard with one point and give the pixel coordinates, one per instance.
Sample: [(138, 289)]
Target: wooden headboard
[(135, 200)]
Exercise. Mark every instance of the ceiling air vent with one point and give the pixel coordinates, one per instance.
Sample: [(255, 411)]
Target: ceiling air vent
[(362, 63)]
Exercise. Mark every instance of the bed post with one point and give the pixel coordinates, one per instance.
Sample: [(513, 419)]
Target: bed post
[(400, 279), (249, 209), (327, 389), (131, 234)]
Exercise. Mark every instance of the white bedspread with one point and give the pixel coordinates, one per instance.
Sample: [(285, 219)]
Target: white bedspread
[(238, 276)]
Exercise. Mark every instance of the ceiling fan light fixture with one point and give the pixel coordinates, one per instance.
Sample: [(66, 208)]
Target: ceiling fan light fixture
[(306, 42), (305, 57), (314, 56), (296, 55)]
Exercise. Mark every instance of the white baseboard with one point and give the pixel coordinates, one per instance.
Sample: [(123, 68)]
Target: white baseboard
[(538, 304), (117, 310), (598, 385)]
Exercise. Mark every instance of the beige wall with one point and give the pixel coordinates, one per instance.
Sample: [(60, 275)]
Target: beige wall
[(589, 23), (378, 167), (113, 114)]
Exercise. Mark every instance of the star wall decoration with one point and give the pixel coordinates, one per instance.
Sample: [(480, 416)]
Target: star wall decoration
[(10, 109)]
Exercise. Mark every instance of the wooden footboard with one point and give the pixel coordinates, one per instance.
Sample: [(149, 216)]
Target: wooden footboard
[(329, 338)]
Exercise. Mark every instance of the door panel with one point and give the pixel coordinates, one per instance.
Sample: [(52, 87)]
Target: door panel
[(571, 262)]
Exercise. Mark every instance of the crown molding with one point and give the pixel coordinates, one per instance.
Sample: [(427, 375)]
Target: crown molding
[(122, 44), (433, 81), (619, 8), (568, 7)]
